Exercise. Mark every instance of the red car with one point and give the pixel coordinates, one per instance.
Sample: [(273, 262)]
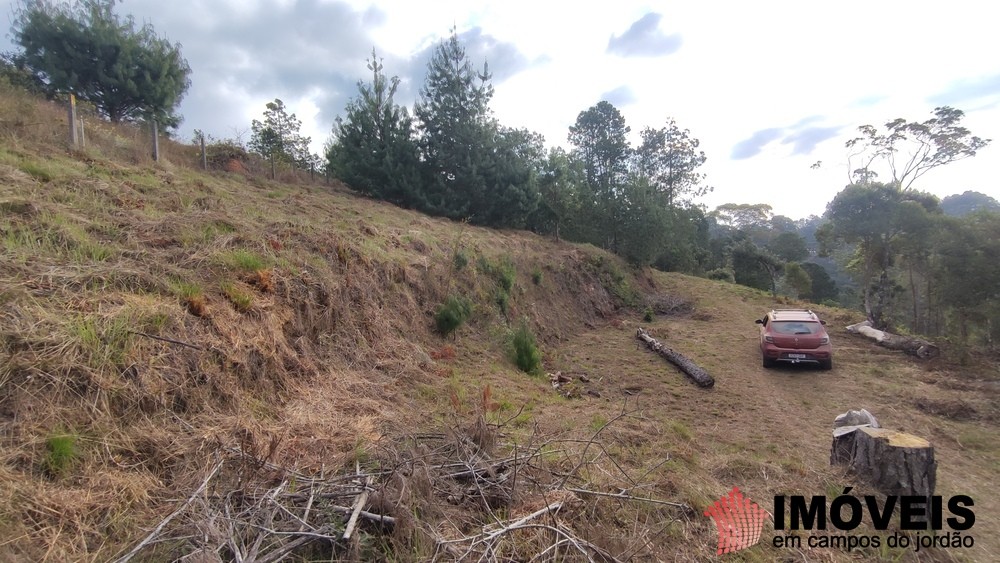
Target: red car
[(795, 336)]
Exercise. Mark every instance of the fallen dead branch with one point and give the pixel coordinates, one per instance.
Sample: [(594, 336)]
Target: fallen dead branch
[(691, 369), (910, 345)]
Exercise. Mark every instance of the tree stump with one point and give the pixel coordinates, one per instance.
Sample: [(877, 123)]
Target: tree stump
[(894, 462)]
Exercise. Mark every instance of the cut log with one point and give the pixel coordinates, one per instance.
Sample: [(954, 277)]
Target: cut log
[(910, 345), (894, 462), (693, 370)]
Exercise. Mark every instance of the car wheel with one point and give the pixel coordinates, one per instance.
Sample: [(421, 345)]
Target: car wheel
[(767, 362), (826, 365)]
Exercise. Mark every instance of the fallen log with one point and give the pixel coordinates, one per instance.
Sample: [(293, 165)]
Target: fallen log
[(908, 344), (894, 462), (693, 370)]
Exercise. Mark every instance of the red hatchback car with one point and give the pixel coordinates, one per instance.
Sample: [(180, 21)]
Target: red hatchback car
[(794, 336)]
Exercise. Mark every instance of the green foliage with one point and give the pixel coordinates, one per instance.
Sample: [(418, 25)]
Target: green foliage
[(503, 272), (452, 314), (797, 279), (277, 138), (245, 260), (911, 149), (721, 274), (536, 276), (668, 158), (524, 350), (241, 300), (36, 171), (648, 315), (373, 150), (823, 289), (754, 267), (127, 72), (459, 260), (790, 247), (473, 167), (60, 453)]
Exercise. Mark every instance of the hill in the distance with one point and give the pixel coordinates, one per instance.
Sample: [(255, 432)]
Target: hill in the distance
[(208, 360)]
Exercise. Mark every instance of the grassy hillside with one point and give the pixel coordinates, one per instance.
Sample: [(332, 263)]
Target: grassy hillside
[(158, 322)]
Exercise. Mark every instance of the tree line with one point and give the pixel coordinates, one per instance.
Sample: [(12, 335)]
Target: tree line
[(882, 245)]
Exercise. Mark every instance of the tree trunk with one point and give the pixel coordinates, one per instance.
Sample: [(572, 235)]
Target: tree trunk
[(71, 115), (894, 462), (695, 372), (156, 141), (912, 346)]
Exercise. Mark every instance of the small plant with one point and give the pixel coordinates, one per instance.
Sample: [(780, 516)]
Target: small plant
[(524, 350), (36, 171), (647, 315), (721, 274), (240, 299), (451, 314), (245, 260), (191, 296), (597, 422), (61, 453), (536, 276), (503, 301), (459, 260)]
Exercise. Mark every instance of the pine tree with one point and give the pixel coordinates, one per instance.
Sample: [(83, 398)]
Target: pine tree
[(277, 138), (453, 114), (127, 72), (373, 150)]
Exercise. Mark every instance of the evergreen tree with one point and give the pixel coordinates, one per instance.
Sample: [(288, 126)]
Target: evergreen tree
[(277, 138), (373, 150), (474, 167), (669, 159), (453, 114), (128, 73), (599, 137)]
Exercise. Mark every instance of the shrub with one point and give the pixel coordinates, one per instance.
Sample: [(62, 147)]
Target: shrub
[(524, 350), (451, 314), (536, 276), (721, 274), (460, 260), (648, 315)]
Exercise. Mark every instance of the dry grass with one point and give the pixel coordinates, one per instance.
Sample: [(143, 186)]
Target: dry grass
[(158, 314)]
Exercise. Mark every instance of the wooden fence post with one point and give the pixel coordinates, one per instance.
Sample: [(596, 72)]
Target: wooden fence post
[(204, 155), (156, 142), (72, 121)]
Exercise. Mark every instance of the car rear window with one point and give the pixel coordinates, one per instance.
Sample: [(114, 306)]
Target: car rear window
[(795, 327)]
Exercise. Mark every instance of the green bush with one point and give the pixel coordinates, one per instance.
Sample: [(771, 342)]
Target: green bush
[(721, 274), (524, 350), (648, 315), (536, 276), (451, 314), (459, 260)]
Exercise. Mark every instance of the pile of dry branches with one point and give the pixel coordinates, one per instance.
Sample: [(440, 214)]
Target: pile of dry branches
[(470, 492)]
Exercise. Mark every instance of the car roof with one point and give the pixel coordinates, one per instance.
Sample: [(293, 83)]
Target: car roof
[(793, 315)]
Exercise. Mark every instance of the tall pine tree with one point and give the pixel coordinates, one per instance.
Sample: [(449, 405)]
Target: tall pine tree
[(373, 150)]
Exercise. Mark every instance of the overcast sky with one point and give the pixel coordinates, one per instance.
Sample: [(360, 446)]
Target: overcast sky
[(769, 88)]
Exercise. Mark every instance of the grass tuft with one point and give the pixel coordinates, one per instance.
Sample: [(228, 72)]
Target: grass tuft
[(60, 453), (240, 299)]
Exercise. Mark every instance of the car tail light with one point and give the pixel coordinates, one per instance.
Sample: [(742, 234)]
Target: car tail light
[(769, 339), (824, 340)]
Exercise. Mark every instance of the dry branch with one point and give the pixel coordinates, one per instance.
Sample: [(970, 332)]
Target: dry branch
[(159, 527), (908, 344), (693, 370)]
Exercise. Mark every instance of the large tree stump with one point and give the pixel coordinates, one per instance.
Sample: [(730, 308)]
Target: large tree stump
[(894, 462), (912, 346), (693, 370)]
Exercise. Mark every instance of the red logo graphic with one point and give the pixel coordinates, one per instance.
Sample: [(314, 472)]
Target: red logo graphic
[(738, 520)]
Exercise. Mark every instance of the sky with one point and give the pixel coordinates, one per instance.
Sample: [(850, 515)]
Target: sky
[(769, 88)]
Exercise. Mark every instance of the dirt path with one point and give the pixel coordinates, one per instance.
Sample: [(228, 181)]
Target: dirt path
[(768, 430)]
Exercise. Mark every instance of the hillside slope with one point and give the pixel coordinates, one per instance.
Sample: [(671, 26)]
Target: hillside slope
[(158, 321)]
